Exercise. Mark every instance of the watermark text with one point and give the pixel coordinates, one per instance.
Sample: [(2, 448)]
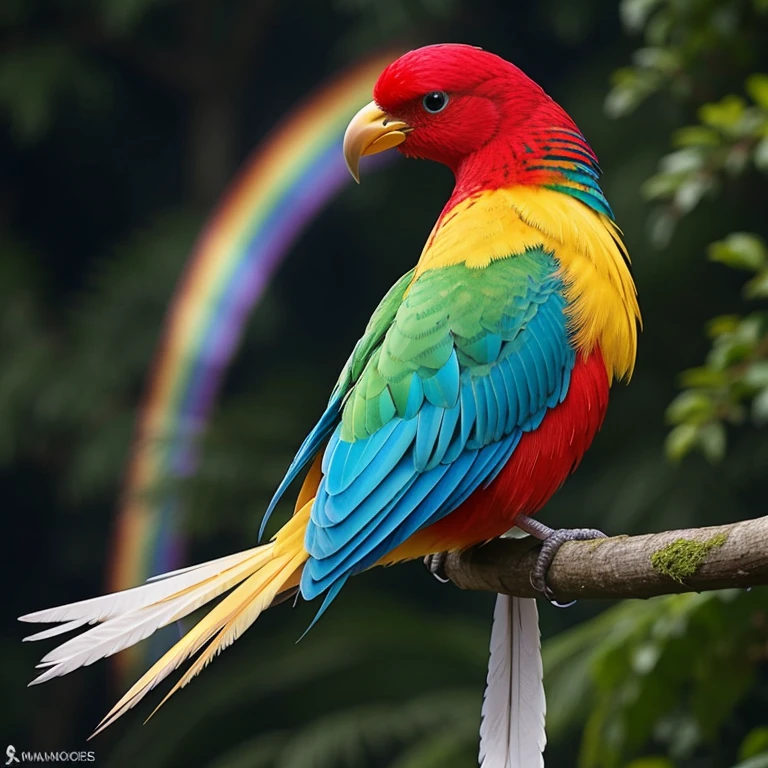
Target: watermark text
[(14, 757)]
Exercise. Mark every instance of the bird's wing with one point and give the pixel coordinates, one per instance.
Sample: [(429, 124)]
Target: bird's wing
[(471, 360)]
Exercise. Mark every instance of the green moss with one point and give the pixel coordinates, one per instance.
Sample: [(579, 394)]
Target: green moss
[(683, 557)]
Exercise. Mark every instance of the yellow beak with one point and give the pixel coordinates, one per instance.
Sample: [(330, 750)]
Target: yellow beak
[(370, 131)]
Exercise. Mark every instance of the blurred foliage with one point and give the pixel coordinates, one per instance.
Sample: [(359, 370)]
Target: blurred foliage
[(121, 123), (670, 672), (674, 672), (689, 45)]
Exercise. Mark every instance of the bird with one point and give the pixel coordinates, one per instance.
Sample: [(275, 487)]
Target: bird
[(477, 386)]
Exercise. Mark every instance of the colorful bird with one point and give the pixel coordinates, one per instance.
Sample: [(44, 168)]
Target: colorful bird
[(479, 383)]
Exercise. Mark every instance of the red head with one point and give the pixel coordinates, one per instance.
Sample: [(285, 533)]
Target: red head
[(479, 97), (471, 110)]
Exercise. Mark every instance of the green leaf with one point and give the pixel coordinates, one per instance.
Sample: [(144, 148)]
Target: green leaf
[(620, 102), (696, 136), (659, 28), (703, 377), (665, 60), (722, 324), (652, 762), (757, 287), (645, 658), (757, 88), (728, 351), (630, 87), (635, 13), (755, 743), (690, 407), (725, 114), (683, 161), (690, 192), (751, 329), (740, 250), (680, 441), (711, 439), (757, 374), (660, 186)]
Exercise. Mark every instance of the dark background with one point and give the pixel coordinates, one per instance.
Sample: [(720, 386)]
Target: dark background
[(121, 122)]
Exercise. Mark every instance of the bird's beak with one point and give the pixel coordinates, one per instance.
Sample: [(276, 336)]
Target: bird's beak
[(370, 131)]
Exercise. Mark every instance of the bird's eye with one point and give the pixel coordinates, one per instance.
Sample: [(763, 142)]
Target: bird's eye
[(436, 101)]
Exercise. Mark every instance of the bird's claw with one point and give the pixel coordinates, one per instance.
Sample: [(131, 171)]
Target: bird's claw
[(436, 566), (549, 547)]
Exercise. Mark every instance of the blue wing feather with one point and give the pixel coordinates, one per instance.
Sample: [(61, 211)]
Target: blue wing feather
[(540, 369), (373, 476), (393, 449), (481, 417), (442, 389), (377, 524), (429, 421), (501, 394), (447, 430), (352, 459)]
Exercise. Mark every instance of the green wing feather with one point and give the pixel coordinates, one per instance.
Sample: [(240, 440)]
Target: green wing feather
[(449, 315)]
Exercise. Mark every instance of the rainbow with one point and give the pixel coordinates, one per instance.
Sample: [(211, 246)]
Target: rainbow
[(287, 180)]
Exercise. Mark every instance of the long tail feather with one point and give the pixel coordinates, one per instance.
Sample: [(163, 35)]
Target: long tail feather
[(120, 603), (264, 585), (127, 629), (512, 731), (256, 578)]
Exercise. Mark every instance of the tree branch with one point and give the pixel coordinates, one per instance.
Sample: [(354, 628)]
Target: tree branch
[(702, 559)]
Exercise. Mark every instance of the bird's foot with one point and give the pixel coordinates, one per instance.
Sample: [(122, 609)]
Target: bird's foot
[(551, 541), (436, 566)]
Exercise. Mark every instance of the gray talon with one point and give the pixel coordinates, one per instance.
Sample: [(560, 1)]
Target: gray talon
[(549, 547), (436, 566)]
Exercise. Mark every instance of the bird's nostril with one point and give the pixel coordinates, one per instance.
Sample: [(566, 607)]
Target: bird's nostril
[(386, 121)]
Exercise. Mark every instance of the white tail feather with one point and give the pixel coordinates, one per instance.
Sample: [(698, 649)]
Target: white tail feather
[(512, 731), (255, 578), (222, 562), (119, 603), (125, 618), (53, 631), (256, 593)]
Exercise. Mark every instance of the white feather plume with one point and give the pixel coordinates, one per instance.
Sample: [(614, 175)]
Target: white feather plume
[(512, 731), (119, 603), (124, 618)]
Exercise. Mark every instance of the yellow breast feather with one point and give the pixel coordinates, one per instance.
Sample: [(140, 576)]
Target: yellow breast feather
[(601, 294)]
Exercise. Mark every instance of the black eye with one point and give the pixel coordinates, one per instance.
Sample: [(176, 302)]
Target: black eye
[(436, 101)]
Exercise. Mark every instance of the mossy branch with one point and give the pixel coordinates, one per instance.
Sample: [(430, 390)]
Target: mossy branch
[(693, 560)]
